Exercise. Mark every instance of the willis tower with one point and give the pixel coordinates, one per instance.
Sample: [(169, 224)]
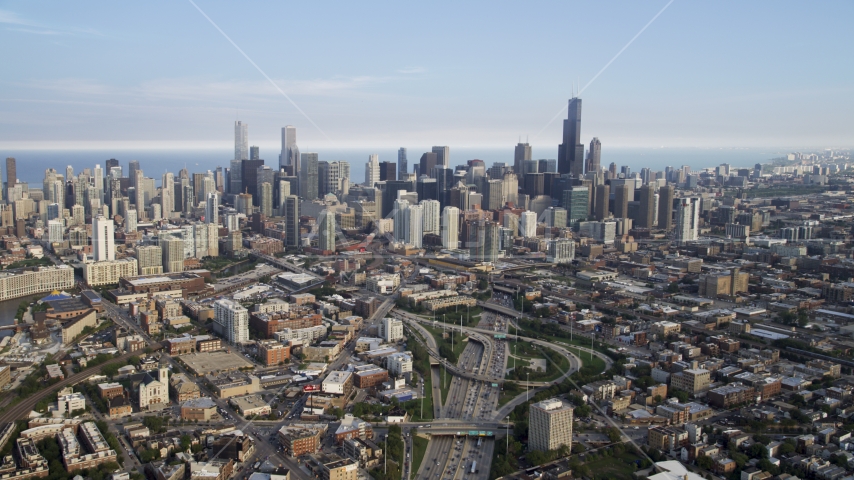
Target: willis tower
[(570, 156)]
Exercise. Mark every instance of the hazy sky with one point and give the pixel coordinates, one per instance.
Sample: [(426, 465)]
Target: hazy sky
[(371, 74)]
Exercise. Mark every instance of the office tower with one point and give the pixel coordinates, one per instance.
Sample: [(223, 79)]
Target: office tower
[(646, 216), (550, 425), (665, 207), (547, 165), (388, 171), (326, 231), (443, 157), (109, 164), (139, 193), (430, 217), (521, 154), (55, 231), (511, 222), (322, 178), (284, 189), (426, 188), (130, 221), (458, 196), (612, 170), (187, 196), (243, 204), (235, 177), (621, 201), (254, 153), (241, 141), (78, 215), (451, 227), (402, 164), (571, 151), (233, 321), (248, 177), (219, 180), (427, 162), (292, 235), (594, 155), (103, 239), (603, 193), (212, 208), (555, 217), (133, 167), (687, 219), (492, 195), (510, 189), (167, 195), (11, 172), (287, 157), (53, 211), (173, 254), (372, 171), (528, 224), (575, 201), (534, 184), (149, 259), (265, 191), (308, 176)]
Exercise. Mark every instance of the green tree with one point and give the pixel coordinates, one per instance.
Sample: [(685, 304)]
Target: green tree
[(705, 462)]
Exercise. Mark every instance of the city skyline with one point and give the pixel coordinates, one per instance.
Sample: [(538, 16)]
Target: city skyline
[(643, 99)]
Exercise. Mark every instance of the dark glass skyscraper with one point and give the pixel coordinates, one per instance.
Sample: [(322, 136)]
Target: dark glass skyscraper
[(571, 151), (401, 162)]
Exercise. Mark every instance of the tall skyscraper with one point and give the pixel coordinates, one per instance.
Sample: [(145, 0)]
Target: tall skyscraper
[(414, 219), (576, 201), (430, 217), (687, 219), (451, 227), (233, 321), (289, 142), (292, 235), (109, 164), (528, 224), (326, 232), (254, 153), (388, 171), (665, 207), (646, 217), (308, 180), (492, 195), (173, 254), (103, 239), (130, 221), (167, 195), (372, 171), (241, 141), (399, 215), (212, 208), (550, 425), (522, 153), (427, 162), (401, 162), (265, 191), (443, 157), (510, 189), (621, 201), (11, 172), (603, 193), (594, 155), (133, 167), (571, 151)]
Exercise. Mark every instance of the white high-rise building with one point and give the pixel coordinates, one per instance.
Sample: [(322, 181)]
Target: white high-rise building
[(414, 221), (528, 224), (372, 170), (212, 208), (167, 195), (687, 219), (560, 250), (431, 216), (391, 330), (326, 231), (451, 227), (103, 239), (510, 189), (55, 230), (400, 226), (233, 321), (241, 141), (232, 222), (149, 260), (130, 221), (549, 425)]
